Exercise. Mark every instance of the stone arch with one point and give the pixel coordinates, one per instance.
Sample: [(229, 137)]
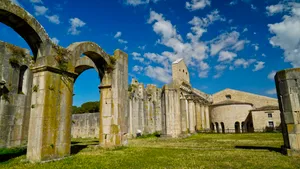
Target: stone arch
[(223, 127), (237, 127), (82, 64), (217, 127), (100, 59), (24, 24)]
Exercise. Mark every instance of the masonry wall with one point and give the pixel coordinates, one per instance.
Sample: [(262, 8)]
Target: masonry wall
[(257, 100), (85, 125), (229, 114), (15, 93), (261, 119)]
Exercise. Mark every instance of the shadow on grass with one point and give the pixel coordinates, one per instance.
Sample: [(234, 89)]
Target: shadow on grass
[(10, 154), (278, 150), (77, 148)]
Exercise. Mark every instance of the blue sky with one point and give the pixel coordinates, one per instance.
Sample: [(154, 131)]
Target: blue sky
[(235, 44)]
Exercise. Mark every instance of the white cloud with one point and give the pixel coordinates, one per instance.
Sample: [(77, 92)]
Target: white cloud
[(245, 30), (126, 47), (256, 46), (226, 56), (118, 34), (158, 73), (122, 41), (272, 75), (136, 56), (137, 69), (203, 74), (239, 45), (271, 92), (139, 2), (259, 65), (53, 19), (226, 40), (155, 57), (197, 4), (40, 10), (55, 40), (242, 62), (75, 24), (36, 1), (274, 9), (287, 36), (264, 55)]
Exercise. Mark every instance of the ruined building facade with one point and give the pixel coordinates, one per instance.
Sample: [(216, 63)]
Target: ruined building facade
[(15, 94), (175, 110)]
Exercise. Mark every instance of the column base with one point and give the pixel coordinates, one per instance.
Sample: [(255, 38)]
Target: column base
[(290, 152)]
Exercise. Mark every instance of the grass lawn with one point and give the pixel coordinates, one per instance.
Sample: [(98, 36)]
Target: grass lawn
[(259, 150)]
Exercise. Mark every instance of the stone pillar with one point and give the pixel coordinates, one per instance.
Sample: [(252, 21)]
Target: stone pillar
[(183, 116), (187, 114), (191, 115), (198, 117), (287, 85), (130, 118), (107, 129), (202, 116), (49, 134), (207, 118)]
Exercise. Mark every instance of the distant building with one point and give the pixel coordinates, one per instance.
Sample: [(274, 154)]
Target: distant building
[(237, 111)]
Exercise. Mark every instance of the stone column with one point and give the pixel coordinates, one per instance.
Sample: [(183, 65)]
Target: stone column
[(287, 85), (187, 114), (183, 116), (49, 134), (202, 116), (207, 117), (191, 115), (130, 118), (198, 117)]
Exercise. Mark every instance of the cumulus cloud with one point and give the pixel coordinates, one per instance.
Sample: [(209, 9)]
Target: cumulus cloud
[(234, 2), (287, 35), (118, 34), (272, 75), (158, 73), (274, 9), (226, 56), (197, 4), (256, 46), (242, 62), (40, 10), (55, 40), (258, 66), (53, 19), (75, 24), (225, 41), (139, 2), (137, 69), (136, 56), (142, 47)]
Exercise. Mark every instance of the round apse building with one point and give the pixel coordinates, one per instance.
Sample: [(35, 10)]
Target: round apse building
[(231, 117)]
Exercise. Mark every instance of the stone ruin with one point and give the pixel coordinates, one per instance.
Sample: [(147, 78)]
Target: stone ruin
[(42, 86)]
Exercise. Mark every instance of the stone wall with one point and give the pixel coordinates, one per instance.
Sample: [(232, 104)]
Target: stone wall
[(261, 119), (256, 100), (229, 115), (15, 93), (85, 125)]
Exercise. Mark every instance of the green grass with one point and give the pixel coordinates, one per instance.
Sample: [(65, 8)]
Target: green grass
[(260, 150)]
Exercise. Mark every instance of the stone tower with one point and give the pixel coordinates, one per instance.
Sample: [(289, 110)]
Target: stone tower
[(180, 71)]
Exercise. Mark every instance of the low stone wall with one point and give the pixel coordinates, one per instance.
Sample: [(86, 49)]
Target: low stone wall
[(85, 125)]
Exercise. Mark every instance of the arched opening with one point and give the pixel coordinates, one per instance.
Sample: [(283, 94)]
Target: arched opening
[(244, 127), (24, 24), (237, 127), (85, 109), (223, 127), (217, 127), (212, 127)]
